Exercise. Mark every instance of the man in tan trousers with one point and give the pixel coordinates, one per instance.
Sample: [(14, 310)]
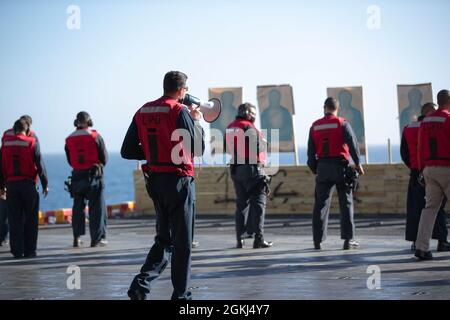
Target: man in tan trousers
[(434, 159)]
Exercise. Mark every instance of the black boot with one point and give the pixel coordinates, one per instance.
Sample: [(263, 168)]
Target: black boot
[(413, 247), (259, 243), (350, 244), (136, 295), (30, 255), (77, 242), (443, 246), (240, 244), (187, 296), (101, 243), (317, 245), (423, 255)]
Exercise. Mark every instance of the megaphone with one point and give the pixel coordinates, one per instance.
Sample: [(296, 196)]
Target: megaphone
[(211, 109)]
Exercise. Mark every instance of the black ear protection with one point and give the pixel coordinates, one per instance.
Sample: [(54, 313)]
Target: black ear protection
[(90, 123)]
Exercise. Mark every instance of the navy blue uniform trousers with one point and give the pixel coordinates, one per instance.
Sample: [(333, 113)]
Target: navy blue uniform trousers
[(174, 200), (331, 175), (4, 229), (250, 200), (22, 217), (88, 190)]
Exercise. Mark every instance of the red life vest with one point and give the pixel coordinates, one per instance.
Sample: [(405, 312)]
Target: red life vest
[(411, 135), (10, 133), (434, 140), (156, 122), (18, 158), (242, 149), (328, 136), (82, 148)]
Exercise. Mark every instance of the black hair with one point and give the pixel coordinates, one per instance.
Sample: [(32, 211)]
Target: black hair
[(27, 118), (83, 117), (173, 81), (427, 106), (243, 110), (331, 104), (20, 125), (443, 97)]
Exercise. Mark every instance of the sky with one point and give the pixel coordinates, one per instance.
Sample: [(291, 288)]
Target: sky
[(116, 61)]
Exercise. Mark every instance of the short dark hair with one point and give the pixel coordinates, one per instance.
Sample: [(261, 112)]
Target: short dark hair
[(83, 118), (443, 97), (20, 125), (27, 118), (426, 107), (174, 80), (331, 104), (243, 110)]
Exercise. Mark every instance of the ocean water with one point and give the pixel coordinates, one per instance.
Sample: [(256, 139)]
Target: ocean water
[(119, 175), (118, 181)]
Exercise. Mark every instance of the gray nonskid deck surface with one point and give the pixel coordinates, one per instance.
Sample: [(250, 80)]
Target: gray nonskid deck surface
[(289, 270)]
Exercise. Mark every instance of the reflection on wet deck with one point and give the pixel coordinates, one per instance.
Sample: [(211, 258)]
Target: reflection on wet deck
[(289, 270)]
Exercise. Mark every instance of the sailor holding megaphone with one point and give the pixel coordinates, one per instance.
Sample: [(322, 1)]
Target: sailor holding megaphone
[(210, 109)]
